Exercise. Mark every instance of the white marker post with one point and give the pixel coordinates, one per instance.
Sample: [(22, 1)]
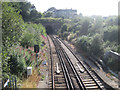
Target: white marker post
[(57, 69)]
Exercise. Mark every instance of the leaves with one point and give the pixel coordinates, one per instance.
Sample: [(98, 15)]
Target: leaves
[(14, 33), (12, 25)]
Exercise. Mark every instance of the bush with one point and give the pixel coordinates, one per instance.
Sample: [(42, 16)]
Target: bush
[(111, 34), (17, 63), (97, 45), (27, 39), (32, 35), (70, 37), (113, 64), (65, 34), (83, 43), (91, 45), (12, 25)]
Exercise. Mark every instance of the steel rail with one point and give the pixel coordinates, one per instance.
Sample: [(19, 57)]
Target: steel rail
[(64, 67), (82, 65), (79, 81), (51, 58)]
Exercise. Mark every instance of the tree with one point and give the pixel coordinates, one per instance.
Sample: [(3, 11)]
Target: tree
[(25, 10), (39, 15), (96, 26), (85, 27), (48, 14), (12, 25), (33, 14), (97, 45), (51, 9)]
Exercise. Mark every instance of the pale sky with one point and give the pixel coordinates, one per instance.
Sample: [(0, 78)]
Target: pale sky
[(86, 7)]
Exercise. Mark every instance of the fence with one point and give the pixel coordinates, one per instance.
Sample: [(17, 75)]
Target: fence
[(10, 83)]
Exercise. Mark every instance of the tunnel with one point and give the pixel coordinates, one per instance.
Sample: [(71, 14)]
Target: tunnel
[(49, 30)]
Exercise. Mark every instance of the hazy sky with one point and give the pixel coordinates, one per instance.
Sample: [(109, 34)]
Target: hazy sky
[(86, 7)]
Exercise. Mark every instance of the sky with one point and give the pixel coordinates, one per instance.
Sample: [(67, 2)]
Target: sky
[(86, 7)]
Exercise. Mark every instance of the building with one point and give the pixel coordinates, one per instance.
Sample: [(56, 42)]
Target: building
[(65, 13), (62, 13)]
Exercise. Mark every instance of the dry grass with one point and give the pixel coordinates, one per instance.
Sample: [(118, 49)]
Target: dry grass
[(31, 81)]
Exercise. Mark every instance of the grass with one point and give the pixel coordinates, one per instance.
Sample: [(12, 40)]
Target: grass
[(31, 81)]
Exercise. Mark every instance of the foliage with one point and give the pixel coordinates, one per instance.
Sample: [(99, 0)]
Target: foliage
[(17, 62), (15, 33), (113, 64), (92, 33), (27, 10), (55, 20), (32, 35), (12, 25), (111, 34), (65, 34), (48, 14), (97, 45), (83, 43), (63, 28)]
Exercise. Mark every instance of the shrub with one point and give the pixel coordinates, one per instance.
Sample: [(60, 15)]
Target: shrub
[(83, 43), (70, 37), (65, 34), (27, 39), (32, 35), (97, 45), (17, 63)]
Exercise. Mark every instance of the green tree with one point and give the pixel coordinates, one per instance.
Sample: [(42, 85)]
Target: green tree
[(85, 27), (97, 45), (12, 25), (25, 10), (48, 14), (33, 14), (96, 26)]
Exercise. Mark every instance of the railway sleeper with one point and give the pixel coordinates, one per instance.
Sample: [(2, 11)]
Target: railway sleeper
[(60, 85), (90, 84), (87, 80), (85, 77), (92, 87), (59, 82)]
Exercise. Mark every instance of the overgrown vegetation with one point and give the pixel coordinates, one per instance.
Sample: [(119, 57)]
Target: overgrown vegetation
[(95, 31), (18, 33), (93, 35)]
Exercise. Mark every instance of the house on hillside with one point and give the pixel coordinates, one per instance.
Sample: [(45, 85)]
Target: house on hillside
[(62, 13), (65, 13)]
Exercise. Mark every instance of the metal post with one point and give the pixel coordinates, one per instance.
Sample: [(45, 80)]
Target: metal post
[(10, 81), (37, 58), (2, 84), (13, 82)]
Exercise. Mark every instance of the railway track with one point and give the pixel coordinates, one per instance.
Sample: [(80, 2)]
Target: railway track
[(56, 80), (74, 75), (90, 78)]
